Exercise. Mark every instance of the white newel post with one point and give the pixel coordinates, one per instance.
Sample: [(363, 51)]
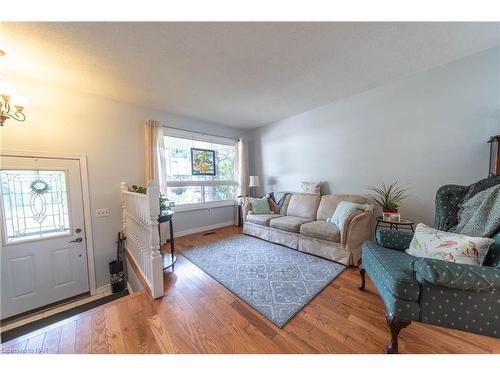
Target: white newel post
[(140, 226), (153, 193)]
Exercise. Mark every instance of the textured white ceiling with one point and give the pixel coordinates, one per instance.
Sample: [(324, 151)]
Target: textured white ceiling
[(237, 74)]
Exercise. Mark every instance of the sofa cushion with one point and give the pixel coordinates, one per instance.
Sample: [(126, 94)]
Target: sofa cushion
[(262, 219), (322, 230), (329, 203), (394, 268), (288, 223), (303, 205)]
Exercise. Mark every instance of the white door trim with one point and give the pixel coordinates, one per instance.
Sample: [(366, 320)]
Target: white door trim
[(86, 201)]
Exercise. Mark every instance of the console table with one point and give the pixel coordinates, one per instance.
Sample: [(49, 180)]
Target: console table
[(168, 259)]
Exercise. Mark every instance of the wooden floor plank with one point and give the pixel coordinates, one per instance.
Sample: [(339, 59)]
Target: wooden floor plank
[(165, 342), (35, 344), (99, 344), (83, 344), (68, 338), (199, 315), (114, 337), (52, 339)]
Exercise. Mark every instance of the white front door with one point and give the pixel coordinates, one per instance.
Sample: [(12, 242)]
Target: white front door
[(43, 256)]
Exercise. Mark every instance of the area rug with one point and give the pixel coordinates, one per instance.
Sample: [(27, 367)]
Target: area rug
[(275, 280)]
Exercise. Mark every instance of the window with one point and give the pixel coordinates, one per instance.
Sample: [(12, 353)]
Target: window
[(186, 189), (34, 203)]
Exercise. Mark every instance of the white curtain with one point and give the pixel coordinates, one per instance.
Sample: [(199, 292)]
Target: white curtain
[(156, 166), (242, 167)]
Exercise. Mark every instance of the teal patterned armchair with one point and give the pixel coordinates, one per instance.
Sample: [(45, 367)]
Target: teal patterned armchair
[(433, 291)]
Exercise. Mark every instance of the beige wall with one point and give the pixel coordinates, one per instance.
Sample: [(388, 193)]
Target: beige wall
[(110, 134)]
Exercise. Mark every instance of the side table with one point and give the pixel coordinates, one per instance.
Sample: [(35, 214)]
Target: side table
[(168, 259)]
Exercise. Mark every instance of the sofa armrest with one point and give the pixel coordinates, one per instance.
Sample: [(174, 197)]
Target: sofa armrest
[(245, 209), (456, 276), (393, 239), (357, 230)]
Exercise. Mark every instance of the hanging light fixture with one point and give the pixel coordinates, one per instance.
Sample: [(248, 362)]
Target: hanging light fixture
[(11, 105)]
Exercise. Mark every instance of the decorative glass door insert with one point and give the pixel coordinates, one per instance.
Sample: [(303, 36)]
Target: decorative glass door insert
[(34, 204)]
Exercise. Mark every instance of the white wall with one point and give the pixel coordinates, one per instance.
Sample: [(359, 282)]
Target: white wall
[(111, 134), (427, 130)]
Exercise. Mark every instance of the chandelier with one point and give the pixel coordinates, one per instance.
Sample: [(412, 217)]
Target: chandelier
[(11, 105)]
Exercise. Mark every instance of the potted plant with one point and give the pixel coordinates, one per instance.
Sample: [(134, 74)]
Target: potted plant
[(389, 196)]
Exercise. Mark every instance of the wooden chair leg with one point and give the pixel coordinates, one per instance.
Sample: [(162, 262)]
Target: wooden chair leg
[(395, 326), (362, 272)]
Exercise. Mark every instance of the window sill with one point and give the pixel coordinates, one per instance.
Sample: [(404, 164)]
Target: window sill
[(203, 206)]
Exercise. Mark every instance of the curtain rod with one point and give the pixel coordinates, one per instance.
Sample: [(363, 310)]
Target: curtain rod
[(197, 132)]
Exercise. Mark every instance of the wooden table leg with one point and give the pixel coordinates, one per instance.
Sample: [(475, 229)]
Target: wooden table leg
[(172, 249)]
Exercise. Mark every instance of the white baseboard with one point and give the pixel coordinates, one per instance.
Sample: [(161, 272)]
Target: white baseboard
[(129, 288), (103, 289), (203, 229)]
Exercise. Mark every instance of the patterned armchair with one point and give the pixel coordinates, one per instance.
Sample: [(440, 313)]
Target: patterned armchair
[(433, 291)]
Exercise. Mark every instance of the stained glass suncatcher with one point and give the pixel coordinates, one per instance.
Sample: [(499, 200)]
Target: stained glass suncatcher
[(34, 204), (202, 162)]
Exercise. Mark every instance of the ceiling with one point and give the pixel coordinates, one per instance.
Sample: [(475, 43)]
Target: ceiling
[(238, 74)]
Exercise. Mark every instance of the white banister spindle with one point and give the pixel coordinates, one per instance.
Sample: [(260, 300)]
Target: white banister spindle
[(140, 223)]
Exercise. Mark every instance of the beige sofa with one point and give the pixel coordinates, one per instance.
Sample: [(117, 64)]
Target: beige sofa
[(302, 225)]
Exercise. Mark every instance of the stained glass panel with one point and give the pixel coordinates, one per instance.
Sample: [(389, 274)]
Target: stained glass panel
[(34, 203)]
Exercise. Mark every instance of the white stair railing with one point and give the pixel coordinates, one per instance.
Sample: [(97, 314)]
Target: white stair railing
[(140, 226)]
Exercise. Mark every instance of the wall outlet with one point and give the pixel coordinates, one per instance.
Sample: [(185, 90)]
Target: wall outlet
[(102, 212)]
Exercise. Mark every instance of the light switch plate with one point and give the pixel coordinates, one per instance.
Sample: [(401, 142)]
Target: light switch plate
[(102, 212)]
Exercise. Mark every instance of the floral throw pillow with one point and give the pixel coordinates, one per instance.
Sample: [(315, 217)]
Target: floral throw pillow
[(436, 244)]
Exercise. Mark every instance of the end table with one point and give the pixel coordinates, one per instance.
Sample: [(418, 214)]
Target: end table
[(168, 259)]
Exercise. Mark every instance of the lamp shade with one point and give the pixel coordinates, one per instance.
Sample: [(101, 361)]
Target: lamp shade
[(254, 181)]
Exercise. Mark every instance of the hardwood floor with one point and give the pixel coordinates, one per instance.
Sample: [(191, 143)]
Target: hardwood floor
[(198, 315)]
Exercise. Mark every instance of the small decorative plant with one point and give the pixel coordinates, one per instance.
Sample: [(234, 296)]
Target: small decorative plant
[(389, 196), (139, 189), (163, 202), (163, 198)]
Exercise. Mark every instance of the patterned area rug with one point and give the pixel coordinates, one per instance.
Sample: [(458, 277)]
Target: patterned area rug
[(275, 280)]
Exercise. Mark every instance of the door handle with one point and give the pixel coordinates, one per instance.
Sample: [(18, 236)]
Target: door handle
[(78, 239)]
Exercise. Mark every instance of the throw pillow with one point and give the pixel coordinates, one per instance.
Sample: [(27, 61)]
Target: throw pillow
[(437, 244), (259, 205), (343, 211), (273, 206), (310, 187)]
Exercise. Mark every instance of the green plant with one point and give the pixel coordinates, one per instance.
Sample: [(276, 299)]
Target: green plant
[(163, 198), (163, 202), (139, 189), (389, 196)]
